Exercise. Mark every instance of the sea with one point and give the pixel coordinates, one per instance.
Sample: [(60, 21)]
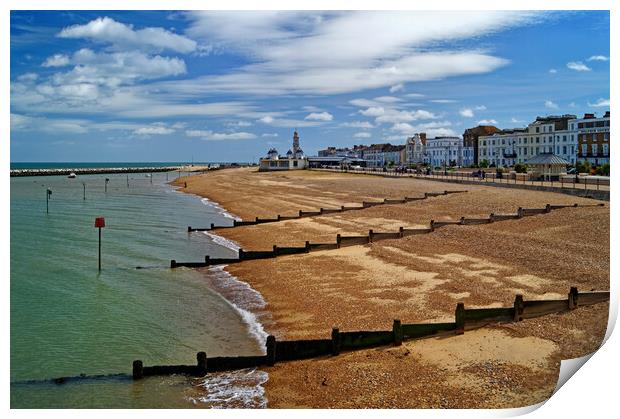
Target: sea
[(75, 330)]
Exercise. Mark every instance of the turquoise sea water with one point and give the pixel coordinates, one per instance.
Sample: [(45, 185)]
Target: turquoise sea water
[(69, 319)]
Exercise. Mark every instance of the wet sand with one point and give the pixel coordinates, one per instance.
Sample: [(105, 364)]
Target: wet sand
[(415, 279)]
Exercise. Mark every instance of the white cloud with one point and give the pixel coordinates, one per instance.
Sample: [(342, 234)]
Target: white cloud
[(600, 103), (577, 66), (239, 124), (124, 37), (287, 123), (598, 58), (394, 51), (320, 116), (551, 105), (56, 60), (218, 136), (397, 88), (270, 134), (361, 135), (414, 95), (373, 111), (50, 126), (480, 108), (516, 121), (432, 129), (358, 124), (28, 77), (395, 116), (443, 101), (387, 99), (154, 130), (552, 71), (467, 113), (487, 122)]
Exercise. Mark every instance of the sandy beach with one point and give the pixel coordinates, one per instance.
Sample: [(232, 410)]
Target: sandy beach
[(415, 279)]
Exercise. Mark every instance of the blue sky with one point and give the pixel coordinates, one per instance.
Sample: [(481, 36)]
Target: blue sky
[(227, 86)]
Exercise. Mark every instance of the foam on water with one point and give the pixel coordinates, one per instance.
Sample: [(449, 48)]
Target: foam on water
[(231, 244), (239, 389), (219, 208)]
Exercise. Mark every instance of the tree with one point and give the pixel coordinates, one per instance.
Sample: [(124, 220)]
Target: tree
[(521, 168), (484, 164), (603, 170), (584, 167)]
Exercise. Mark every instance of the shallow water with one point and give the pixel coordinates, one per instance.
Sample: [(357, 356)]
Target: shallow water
[(69, 319)]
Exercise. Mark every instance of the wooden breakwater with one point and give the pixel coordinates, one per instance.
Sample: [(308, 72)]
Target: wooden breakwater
[(91, 171), (323, 211), (373, 236), (337, 342)]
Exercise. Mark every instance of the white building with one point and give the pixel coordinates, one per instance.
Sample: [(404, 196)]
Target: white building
[(448, 151), (551, 134), (383, 155), (295, 158), (415, 149)]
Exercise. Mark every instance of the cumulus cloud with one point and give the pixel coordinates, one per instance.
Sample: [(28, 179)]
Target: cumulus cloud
[(467, 113), (56, 60), (395, 116), (480, 108), (320, 116), (551, 105), (516, 121), (552, 71), (487, 122), (358, 124), (432, 129), (154, 130), (287, 123), (397, 88), (598, 58), (107, 30), (21, 122), (600, 103), (270, 134), (219, 136), (443, 101), (361, 135), (577, 66)]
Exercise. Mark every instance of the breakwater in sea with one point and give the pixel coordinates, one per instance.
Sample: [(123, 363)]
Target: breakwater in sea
[(91, 171)]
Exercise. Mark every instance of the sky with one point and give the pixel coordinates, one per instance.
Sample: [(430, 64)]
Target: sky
[(227, 86)]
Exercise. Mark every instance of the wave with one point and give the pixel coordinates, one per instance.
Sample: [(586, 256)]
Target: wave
[(239, 389), (230, 244), (221, 210)]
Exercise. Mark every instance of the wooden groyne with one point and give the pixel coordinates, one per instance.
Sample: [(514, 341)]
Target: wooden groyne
[(91, 171), (337, 342), (374, 236), (323, 211)]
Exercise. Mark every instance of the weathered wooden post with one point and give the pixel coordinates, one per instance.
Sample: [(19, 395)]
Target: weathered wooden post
[(84, 194), (432, 225), (271, 350), (128, 180), (401, 231), (338, 240), (548, 208), (370, 234), (397, 331), (573, 298), (207, 259), (462, 220), (307, 246), (212, 226), (341, 207), (189, 229), (240, 254), (106, 185), (48, 195), (459, 318), (137, 370), (173, 263), (300, 213), (520, 213), (99, 223), (518, 308), (491, 219), (275, 250), (201, 363), (335, 341)]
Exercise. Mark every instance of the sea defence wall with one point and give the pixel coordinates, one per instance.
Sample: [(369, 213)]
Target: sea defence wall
[(91, 171), (322, 211), (374, 236), (464, 319)]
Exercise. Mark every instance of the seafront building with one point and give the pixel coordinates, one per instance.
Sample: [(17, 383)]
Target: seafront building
[(592, 138), (415, 149), (382, 155), (471, 136), (448, 151), (294, 159)]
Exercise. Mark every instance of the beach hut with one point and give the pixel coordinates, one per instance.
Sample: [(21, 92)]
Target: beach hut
[(547, 166)]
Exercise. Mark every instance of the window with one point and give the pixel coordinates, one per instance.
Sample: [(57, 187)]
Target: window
[(558, 150), (564, 138), (605, 149), (584, 149), (537, 140), (537, 129), (564, 150), (525, 151), (600, 123), (594, 149), (589, 124), (580, 125), (606, 136), (572, 127)]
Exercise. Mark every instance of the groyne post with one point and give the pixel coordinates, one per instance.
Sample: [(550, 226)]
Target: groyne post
[(370, 235), (459, 318), (432, 225), (335, 341), (573, 298), (548, 208), (401, 231), (201, 363), (84, 186), (397, 330), (520, 212), (518, 307), (137, 370), (338, 240), (271, 350)]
